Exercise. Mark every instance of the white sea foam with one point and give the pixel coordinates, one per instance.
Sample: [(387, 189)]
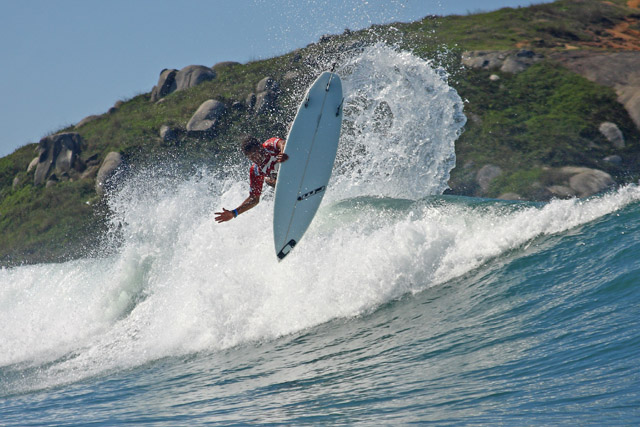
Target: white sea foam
[(401, 121), (179, 283)]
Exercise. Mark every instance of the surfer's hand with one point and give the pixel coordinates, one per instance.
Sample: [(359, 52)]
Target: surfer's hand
[(282, 157), (224, 216), (270, 181)]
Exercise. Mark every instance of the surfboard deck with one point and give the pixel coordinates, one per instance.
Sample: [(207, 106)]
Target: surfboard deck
[(311, 145)]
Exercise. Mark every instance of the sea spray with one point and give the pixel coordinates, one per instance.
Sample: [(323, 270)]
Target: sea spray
[(401, 121), (178, 283), (192, 285)]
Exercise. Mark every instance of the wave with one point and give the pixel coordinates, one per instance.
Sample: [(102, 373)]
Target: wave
[(184, 284), (173, 282)]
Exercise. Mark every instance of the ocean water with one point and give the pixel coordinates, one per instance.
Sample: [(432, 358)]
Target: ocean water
[(399, 306)]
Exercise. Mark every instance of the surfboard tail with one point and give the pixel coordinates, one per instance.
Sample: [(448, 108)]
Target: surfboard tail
[(312, 144), (286, 249)]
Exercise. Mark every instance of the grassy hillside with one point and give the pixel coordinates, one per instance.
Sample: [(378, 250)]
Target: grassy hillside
[(553, 122), (526, 123)]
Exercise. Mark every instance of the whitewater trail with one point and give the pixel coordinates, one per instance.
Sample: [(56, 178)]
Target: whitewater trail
[(178, 283)]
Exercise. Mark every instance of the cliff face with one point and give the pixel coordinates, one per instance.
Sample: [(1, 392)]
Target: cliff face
[(552, 96), (548, 111), (617, 70)]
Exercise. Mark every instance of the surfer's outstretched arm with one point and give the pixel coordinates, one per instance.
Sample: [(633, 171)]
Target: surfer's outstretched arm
[(227, 215)]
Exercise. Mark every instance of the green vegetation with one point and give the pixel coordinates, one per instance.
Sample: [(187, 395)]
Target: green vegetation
[(525, 123), (546, 25), (545, 115), (54, 223)]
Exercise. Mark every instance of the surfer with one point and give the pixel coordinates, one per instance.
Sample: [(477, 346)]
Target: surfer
[(265, 157)]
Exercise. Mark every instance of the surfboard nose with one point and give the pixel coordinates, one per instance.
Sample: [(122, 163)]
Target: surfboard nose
[(312, 145)]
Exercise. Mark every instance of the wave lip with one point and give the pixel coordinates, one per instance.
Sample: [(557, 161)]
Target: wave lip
[(177, 283), (401, 120)]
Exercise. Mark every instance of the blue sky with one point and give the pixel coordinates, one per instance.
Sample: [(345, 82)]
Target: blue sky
[(66, 59)]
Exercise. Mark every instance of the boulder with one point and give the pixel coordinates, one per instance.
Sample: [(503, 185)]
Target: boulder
[(92, 160), (251, 101), (612, 132), (60, 154), (267, 91), (86, 120), (561, 191), (590, 182), (104, 178), (206, 117), (488, 60), (33, 164), (115, 107), (487, 174), (629, 96), (224, 64), (526, 53), (514, 65), (166, 85), (618, 70), (193, 75), (265, 102), (267, 84), (615, 159), (53, 180), (508, 61), (91, 172), (167, 134)]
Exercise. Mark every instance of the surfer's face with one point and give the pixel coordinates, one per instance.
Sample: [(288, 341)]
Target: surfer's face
[(256, 156)]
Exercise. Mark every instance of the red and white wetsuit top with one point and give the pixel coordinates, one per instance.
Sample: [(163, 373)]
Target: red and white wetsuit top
[(258, 172)]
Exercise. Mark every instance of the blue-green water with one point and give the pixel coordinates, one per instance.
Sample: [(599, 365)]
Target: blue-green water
[(547, 331), (398, 306)]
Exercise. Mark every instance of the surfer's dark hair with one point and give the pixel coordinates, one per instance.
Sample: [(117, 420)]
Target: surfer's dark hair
[(249, 143)]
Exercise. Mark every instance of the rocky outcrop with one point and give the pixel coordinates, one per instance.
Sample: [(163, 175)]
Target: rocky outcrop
[(93, 165), (225, 64), (104, 178), (168, 134), (33, 164), (614, 159), (115, 107), (612, 132), (250, 102), (267, 91), (60, 155), (193, 75), (86, 120), (572, 181), (174, 80), (562, 183), (206, 118), (587, 182), (17, 182), (618, 70), (166, 85), (507, 61), (486, 174)]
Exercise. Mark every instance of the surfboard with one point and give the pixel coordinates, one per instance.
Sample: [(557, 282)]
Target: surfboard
[(312, 145)]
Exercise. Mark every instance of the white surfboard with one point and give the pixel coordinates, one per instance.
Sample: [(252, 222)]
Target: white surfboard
[(312, 144)]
